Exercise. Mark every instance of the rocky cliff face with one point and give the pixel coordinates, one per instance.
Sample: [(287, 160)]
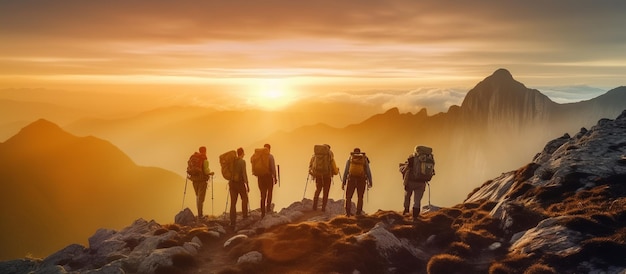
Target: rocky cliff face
[(567, 207)]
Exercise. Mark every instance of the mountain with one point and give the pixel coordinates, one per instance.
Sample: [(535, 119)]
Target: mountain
[(58, 188), (500, 98), (564, 212)]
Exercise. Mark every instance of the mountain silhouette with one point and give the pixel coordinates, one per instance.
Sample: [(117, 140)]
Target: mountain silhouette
[(500, 98), (54, 183), (563, 212)]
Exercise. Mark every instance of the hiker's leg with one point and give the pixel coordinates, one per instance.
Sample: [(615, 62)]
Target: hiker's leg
[(233, 204), (201, 196), (407, 199), (270, 189), (360, 191), (419, 193), (350, 187), (244, 201), (326, 190), (318, 189), (263, 190)]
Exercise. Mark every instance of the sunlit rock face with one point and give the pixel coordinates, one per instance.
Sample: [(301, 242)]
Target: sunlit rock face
[(569, 202)]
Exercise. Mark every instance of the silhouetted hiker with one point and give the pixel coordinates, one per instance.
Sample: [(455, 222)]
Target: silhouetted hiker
[(357, 175), (264, 167), (199, 173), (238, 186), (322, 167), (416, 171)]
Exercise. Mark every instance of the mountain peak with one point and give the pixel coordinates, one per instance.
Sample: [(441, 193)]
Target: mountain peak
[(500, 97), (502, 75), (38, 129)]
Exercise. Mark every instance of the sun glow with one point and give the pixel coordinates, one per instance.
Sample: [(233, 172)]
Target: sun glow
[(271, 94)]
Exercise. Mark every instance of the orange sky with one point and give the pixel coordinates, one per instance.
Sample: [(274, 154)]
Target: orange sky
[(343, 47)]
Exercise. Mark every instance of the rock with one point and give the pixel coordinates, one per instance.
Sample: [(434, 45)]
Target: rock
[(19, 266), (185, 217), (388, 245), (63, 256), (250, 257), (547, 238), (160, 258), (100, 236)]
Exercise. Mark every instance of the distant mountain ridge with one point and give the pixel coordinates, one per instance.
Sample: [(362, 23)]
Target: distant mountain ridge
[(54, 183)]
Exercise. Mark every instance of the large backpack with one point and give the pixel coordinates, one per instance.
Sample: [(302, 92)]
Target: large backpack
[(357, 164), (423, 167), (227, 163), (195, 167), (260, 161), (321, 163)]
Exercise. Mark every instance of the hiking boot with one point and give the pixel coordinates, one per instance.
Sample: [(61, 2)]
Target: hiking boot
[(416, 214), (405, 212)]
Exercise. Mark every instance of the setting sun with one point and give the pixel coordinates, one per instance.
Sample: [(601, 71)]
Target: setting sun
[(271, 94)]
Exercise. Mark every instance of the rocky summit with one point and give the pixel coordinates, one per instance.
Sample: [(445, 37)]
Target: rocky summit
[(564, 212)]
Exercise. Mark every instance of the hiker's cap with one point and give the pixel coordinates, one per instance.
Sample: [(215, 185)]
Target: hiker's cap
[(357, 150), (202, 149)]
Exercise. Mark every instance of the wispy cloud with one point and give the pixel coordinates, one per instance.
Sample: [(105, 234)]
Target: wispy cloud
[(436, 43)]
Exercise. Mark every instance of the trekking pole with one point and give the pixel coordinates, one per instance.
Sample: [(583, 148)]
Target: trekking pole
[(368, 192), (278, 166), (305, 185), (428, 194), (184, 193), (212, 198), (227, 195)]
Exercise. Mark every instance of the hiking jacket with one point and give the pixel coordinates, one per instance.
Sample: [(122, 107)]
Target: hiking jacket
[(205, 167), (368, 172)]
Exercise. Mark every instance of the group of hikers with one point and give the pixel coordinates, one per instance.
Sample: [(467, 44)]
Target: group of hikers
[(416, 171)]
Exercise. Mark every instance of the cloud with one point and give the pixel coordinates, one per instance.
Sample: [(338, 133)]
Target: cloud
[(435, 100), (360, 39)]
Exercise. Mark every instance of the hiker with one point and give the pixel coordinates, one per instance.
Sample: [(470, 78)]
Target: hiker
[(322, 167), (264, 167), (416, 171), (198, 172), (238, 186), (357, 175)]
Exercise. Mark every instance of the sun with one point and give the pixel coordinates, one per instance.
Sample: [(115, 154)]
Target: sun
[(272, 94)]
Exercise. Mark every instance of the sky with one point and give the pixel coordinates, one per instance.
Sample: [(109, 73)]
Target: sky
[(409, 54)]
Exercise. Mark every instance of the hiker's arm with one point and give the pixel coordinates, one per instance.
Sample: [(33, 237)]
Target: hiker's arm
[(368, 172), (273, 168), (205, 168), (244, 173), (345, 172)]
